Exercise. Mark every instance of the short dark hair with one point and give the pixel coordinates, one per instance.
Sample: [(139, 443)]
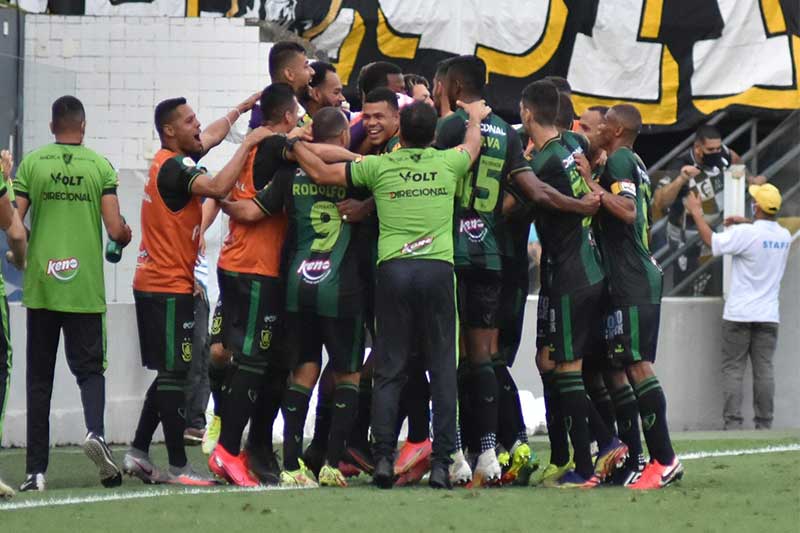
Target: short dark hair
[(566, 112), (542, 98), (602, 109), (164, 111), (67, 114), (441, 69), (321, 69), (279, 56), (418, 124), (276, 100), (382, 94), (470, 71), (412, 80), (707, 132), (376, 75), (328, 123), (561, 84), (629, 117)]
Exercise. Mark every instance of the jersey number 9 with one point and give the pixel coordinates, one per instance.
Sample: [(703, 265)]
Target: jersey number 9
[(327, 222)]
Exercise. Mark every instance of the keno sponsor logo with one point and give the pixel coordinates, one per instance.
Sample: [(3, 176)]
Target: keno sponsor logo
[(412, 247), (314, 271), (63, 269), (474, 228)]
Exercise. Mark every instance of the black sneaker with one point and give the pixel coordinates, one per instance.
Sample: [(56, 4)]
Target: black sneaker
[(629, 473), (314, 457), (33, 482), (440, 478), (96, 449), (263, 463), (383, 477)]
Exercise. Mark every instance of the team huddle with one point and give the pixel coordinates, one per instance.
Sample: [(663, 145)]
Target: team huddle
[(402, 228)]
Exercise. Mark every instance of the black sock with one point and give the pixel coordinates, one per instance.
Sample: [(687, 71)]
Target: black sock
[(597, 427), (484, 394), (653, 409), (266, 409), (628, 422), (417, 397), (170, 398), (605, 407), (556, 432), (93, 399), (238, 404), (574, 405), (510, 423), (359, 436), (466, 420), (295, 409), (322, 419), (148, 421), (217, 381), (345, 402)]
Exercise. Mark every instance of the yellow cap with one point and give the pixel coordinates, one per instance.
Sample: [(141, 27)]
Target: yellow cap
[(767, 197)]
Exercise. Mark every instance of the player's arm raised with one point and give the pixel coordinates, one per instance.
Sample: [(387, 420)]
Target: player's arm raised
[(220, 185), (218, 130), (477, 111), (318, 170)]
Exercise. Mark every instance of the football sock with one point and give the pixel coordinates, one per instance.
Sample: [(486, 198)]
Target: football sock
[(605, 407), (217, 377), (556, 432), (467, 435), (170, 399), (148, 421), (322, 419), (239, 404), (573, 402), (345, 408), (267, 408), (653, 410), (295, 409), (484, 393), (359, 436), (597, 427), (627, 414), (510, 423)]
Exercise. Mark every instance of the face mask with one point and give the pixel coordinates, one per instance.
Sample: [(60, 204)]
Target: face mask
[(712, 160)]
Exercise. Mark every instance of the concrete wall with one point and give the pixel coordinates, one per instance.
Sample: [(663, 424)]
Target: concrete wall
[(121, 67), (688, 366)]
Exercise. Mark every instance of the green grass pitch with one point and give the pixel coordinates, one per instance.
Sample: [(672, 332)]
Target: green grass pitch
[(757, 492)]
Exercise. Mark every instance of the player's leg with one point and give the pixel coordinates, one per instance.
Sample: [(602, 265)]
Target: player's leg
[(642, 322), (303, 334), (5, 378), (219, 373), (344, 342), (395, 320), (314, 455), (85, 347), (413, 459), (44, 329), (198, 386), (436, 322)]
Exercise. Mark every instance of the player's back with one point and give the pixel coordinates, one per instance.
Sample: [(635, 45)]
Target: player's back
[(567, 238)]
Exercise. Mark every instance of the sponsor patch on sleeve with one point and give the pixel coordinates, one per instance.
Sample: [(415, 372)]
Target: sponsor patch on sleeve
[(623, 188)]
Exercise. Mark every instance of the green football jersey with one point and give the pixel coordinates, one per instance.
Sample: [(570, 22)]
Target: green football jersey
[(567, 239), (634, 275), (479, 235), (321, 256), (65, 184), (414, 190)]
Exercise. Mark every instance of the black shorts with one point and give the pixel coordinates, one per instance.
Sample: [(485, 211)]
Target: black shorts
[(166, 329), (575, 323), (511, 315), (632, 333), (215, 333), (343, 338), (248, 314), (542, 319), (478, 298)]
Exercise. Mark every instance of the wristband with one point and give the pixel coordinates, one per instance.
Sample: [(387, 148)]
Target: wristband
[(291, 142)]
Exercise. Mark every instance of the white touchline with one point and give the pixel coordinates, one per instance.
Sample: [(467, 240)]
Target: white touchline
[(154, 493), (123, 496)]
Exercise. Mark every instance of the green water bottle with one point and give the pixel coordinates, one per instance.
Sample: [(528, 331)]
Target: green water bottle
[(114, 249)]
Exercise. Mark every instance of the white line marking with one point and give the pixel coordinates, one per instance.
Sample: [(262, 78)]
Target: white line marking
[(731, 453), (123, 496), (155, 493)]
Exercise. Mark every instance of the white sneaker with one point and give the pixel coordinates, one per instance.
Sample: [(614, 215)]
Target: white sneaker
[(5, 490), (487, 471), (460, 472), (136, 463), (33, 482)]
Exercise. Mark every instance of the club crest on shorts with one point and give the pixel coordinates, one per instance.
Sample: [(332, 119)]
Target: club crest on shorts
[(266, 339), (216, 325), (186, 351)]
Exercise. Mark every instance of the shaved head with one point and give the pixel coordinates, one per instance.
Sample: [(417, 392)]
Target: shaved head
[(628, 117)]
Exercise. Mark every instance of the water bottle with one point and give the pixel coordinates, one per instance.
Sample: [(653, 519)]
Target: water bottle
[(114, 249)]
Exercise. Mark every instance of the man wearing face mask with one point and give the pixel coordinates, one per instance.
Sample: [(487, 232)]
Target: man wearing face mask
[(700, 168)]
